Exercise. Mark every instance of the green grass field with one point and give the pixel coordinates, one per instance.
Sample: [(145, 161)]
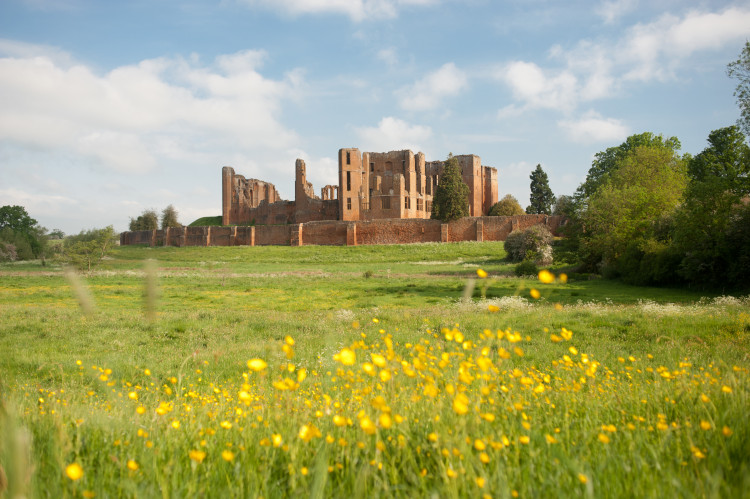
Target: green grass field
[(387, 371)]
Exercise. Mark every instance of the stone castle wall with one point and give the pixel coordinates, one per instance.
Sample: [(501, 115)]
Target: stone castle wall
[(343, 233)]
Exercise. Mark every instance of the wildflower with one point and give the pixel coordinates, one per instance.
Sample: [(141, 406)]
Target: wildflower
[(461, 404), (535, 294), (726, 389), (74, 471), (484, 458), (524, 439), (481, 273), (603, 438), (176, 424), (385, 375), (140, 409), (197, 455), (726, 431), (227, 455), (550, 439), (582, 478), (480, 482), (704, 398), (132, 465), (133, 396), (432, 437), (256, 365), (385, 420), (546, 277), (493, 308), (226, 425), (479, 445), (367, 425), (276, 440), (705, 425), (346, 356), (566, 334), (308, 432)]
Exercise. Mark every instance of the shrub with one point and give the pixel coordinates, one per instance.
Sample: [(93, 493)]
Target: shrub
[(534, 243), (526, 267)]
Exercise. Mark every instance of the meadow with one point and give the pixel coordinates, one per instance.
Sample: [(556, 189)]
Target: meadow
[(387, 371)]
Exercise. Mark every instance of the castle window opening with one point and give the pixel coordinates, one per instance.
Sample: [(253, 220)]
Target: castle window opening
[(419, 204), (407, 202), (372, 167), (403, 165), (348, 203), (348, 180), (348, 158), (385, 202)]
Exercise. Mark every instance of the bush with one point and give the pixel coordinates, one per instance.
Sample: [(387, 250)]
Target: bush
[(534, 243), (506, 207), (526, 267)]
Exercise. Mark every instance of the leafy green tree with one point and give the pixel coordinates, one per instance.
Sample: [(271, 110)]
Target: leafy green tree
[(169, 217), (606, 161), (23, 232), (90, 247), (542, 197), (451, 199), (624, 211), (506, 207), (740, 69), (564, 206), (719, 185), (148, 220)]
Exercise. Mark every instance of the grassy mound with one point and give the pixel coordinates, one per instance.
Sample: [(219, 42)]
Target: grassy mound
[(206, 221)]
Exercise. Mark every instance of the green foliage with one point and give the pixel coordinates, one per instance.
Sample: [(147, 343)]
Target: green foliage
[(169, 217), (534, 243), (506, 207), (88, 248), (713, 208), (526, 268), (206, 222), (606, 161), (542, 197), (564, 206), (646, 183), (451, 199), (148, 220), (19, 230), (740, 69)]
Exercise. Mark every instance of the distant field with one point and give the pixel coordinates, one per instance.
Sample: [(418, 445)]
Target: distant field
[(398, 378)]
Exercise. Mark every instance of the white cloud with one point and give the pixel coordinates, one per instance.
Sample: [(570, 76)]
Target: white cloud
[(388, 56), (592, 127), (127, 118), (595, 70), (393, 134), (357, 10), (610, 10), (539, 89), (427, 93)]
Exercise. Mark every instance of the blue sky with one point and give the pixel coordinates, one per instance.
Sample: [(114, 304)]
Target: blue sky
[(108, 108)]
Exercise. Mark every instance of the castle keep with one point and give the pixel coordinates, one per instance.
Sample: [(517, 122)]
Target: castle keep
[(372, 186)]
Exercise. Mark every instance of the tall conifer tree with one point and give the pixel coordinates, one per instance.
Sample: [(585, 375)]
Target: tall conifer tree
[(542, 197)]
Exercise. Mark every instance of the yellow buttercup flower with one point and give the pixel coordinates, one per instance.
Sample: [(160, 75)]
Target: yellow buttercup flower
[(227, 455), (74, 471), (346, 356), (256, 365), (481, 273), (197, 455), (132, 465), (535, 294), (546, 277)]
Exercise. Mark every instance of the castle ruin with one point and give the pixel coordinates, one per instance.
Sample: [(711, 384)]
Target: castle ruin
[(372, 186)]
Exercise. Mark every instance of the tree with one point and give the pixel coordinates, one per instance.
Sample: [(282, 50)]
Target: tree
[(719, 184), (169, 217), (625, 210), (542, 197), (564, 206), (148, 220), (606, 161), (23, 232), (451, 199), (740, 69), (506, 207), (88, 248)]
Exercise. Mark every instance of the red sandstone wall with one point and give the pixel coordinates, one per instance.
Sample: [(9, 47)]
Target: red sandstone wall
[(273, 235), (326, 233), (396, 231), (383, 231)]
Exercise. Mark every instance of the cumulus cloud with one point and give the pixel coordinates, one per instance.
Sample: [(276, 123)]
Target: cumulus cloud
[(357, 10), (393, 134), (593, 70), (592, 127), (128, 118), (388, 56), (611, 10), (428, 93)]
